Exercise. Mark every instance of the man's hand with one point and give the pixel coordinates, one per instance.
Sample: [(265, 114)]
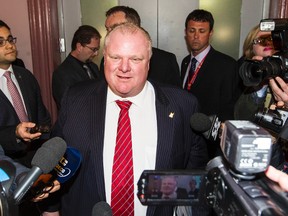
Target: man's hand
[(22, 131), (56, 186)]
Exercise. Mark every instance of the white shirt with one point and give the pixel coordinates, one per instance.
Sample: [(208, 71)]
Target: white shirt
[(3, 84), (143, 120), (199, 59)]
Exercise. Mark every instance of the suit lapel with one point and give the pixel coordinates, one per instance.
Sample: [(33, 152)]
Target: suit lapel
[(98, 111), (165, 125)]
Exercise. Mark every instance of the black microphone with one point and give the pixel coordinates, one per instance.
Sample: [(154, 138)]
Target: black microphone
[(207, 125), (102, 209), (44, 160)]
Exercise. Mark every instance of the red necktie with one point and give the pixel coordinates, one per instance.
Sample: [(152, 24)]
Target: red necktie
[(122, 196), (16, 98)]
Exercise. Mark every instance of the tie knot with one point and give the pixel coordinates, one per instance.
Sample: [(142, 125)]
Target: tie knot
[(7, 74), (193, 60), (124, 104)]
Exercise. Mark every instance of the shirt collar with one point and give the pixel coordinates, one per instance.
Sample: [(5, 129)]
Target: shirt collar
[(136, 100), (202, 55), (2, 71)]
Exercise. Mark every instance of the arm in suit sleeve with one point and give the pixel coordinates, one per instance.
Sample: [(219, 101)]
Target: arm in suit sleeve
[(8, 140)]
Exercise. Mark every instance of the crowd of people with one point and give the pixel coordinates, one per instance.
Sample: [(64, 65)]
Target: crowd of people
[(139, 88)]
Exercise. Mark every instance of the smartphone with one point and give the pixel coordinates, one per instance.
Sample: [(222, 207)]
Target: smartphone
[(42, 128), (177, 187)]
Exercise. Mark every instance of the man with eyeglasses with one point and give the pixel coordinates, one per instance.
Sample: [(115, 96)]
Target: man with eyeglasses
[(78, 66), (21, 108)]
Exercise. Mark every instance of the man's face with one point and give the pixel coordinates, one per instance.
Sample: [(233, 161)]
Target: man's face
[(197, 36), (126, 62), (8, 52), (89, 51), (115, 19), (168, 185)]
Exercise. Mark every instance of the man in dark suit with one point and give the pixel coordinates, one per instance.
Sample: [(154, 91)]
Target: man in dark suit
[(163, 65), (78, 66), (215, 76), (14, 136), (160, 127)]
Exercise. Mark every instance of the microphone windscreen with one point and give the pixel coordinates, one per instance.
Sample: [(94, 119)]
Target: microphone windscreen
[(101, 209), (48, 155), (200, 122)]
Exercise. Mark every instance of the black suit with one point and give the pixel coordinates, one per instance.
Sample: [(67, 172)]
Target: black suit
[(216, 88), (36, 111), (70, 72), (216, 84), (81, 123), (163, 67)]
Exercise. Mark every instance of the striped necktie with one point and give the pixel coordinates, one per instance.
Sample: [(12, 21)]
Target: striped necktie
[(122, 196), (191, 71), (16, 98)]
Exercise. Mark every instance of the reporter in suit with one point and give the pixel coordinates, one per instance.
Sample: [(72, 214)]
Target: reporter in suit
[(161, 133), (15, 138), (163, 65), (215, 79), (78, 66)]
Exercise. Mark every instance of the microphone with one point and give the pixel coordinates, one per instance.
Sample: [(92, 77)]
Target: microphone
[(208, 126), (101, 209), (44, 160), (62, 172)]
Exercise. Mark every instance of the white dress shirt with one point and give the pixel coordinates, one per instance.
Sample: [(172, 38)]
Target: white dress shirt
[(143, 119)]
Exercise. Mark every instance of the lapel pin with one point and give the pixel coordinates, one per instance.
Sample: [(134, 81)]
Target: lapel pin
[(171, 115)]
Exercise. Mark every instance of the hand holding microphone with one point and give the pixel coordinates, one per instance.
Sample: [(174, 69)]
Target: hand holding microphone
[(62, 172), (44, 160)]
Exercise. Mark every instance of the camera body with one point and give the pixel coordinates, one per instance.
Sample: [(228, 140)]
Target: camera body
[(272, 120), (253, 72), (234, 184)]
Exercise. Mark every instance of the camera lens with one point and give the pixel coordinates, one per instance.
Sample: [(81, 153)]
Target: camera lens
[(254, 72)]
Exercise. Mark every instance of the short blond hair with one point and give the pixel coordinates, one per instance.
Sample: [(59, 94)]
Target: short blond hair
[(248, 43), (129, 28)]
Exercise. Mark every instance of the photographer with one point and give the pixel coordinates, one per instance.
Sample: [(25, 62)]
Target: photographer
[(258, 44)]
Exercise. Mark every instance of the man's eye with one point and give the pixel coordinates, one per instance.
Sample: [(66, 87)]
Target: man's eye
[(136, 60)]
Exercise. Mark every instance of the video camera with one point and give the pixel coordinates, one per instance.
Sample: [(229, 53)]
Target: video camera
[(234, 184), (253, 72)]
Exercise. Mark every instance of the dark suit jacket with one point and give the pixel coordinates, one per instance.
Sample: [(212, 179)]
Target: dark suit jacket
[(163, 67), (36, 111), (82, 121), (216, 84), (69, 73)]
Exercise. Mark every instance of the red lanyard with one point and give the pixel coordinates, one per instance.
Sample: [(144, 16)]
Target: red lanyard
[(191, 81)]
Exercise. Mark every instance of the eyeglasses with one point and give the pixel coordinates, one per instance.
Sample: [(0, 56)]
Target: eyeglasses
[(263, 41), (94, 50), (10, 39)]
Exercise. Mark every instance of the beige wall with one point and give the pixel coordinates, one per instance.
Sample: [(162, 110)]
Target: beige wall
[(14, 13), (93, 13)]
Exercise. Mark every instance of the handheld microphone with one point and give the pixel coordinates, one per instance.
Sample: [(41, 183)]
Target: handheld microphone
[(44, 160), (62, 172), (101, 209), (208, 126)]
